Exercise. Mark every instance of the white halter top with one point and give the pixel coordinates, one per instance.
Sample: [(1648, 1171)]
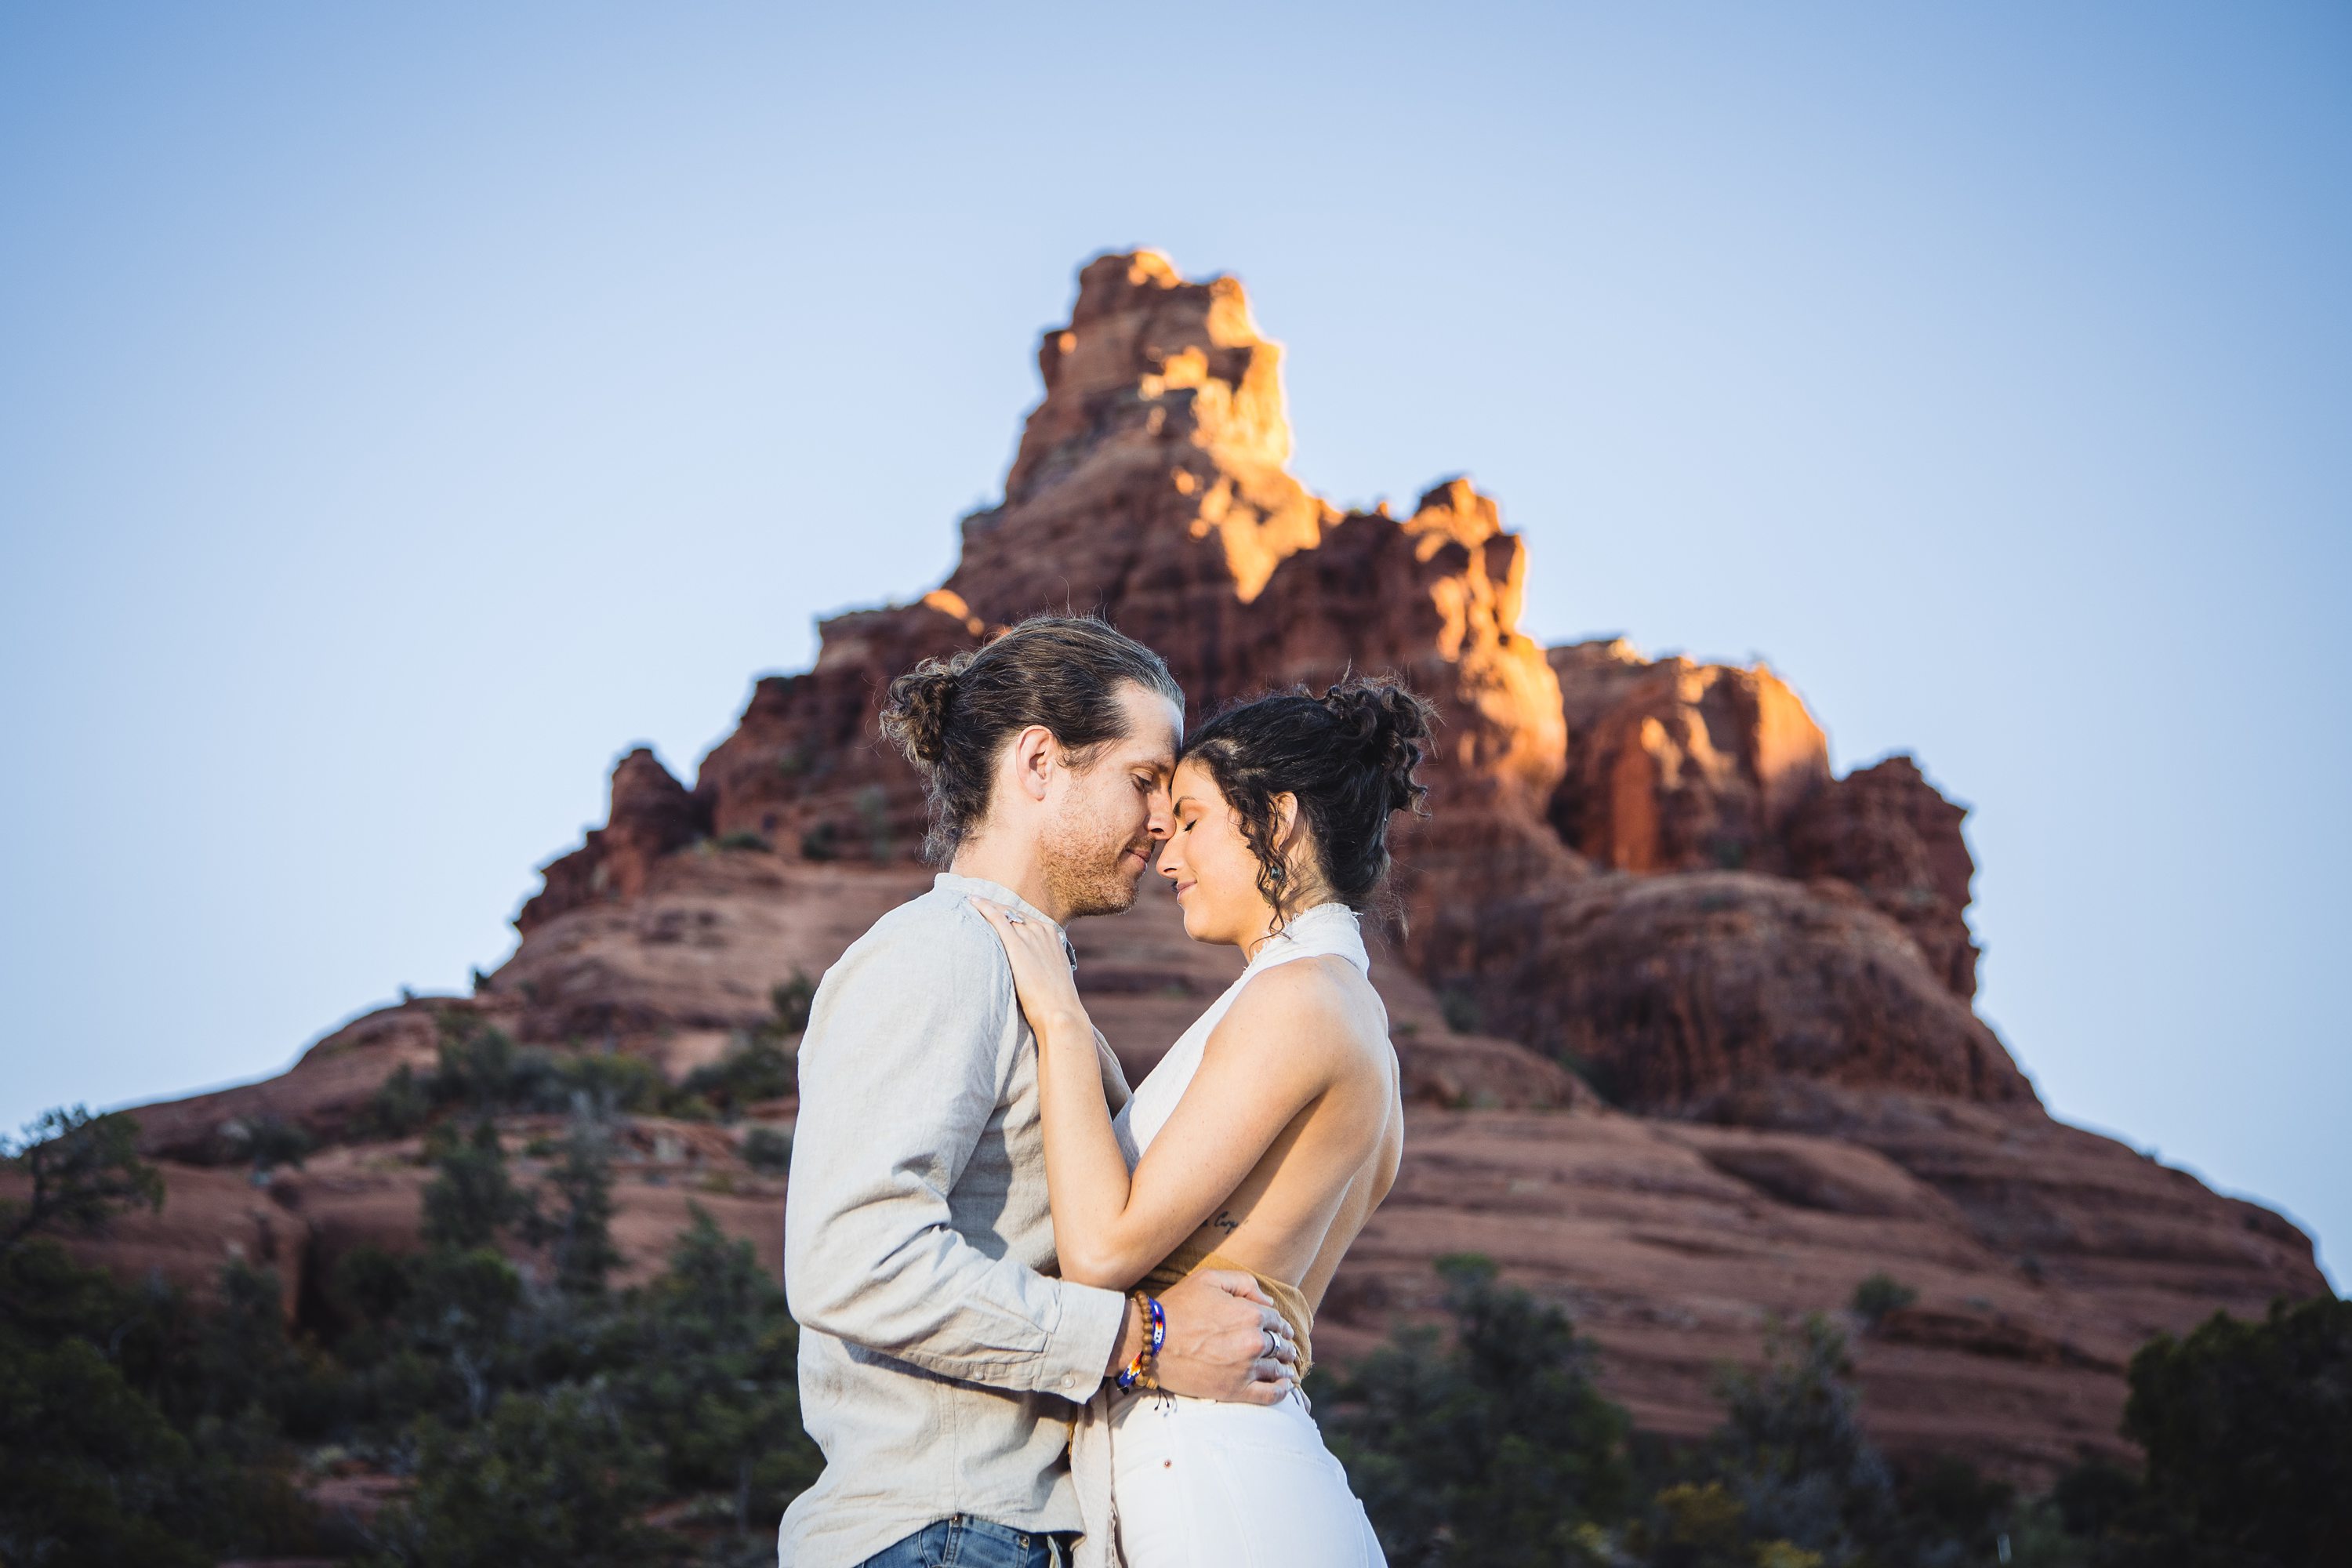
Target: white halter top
[(1325, 930)]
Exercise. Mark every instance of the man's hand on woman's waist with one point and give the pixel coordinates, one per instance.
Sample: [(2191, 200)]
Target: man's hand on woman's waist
[(1225, 1340)]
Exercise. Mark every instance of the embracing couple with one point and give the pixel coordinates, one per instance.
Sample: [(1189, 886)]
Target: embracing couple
[(1043, 1320)]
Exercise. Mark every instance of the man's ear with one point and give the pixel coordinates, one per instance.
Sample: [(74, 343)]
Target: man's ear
[(1035, 754)]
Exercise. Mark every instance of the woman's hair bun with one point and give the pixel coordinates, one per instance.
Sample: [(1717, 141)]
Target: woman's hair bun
[(916, 712), (1391, 729)]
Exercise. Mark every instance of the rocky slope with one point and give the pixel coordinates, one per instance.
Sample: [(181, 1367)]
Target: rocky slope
[(1640, 878)]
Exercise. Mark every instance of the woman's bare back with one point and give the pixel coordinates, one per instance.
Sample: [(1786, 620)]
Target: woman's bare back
[(1296, 1213)]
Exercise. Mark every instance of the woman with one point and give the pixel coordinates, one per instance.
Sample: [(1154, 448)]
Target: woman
[(1266, 1136)]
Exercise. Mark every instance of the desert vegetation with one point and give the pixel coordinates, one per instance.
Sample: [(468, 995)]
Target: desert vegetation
[(482, 1072), (490, 1398)]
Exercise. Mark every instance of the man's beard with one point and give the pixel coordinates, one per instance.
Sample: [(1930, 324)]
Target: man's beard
[(1084, 870)]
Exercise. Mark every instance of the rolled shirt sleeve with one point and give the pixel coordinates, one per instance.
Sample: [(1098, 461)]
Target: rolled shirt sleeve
[(912, 1043)]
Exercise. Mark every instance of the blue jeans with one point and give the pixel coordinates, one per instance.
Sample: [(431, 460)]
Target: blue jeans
[(963, 1541)]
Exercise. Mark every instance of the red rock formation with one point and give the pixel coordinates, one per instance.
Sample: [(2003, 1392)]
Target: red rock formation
[(1671, 992), (806, 768), (651, 815), (1150, 487), (1678, 767), (1887, 831), (324, 1092), (1640, 868)]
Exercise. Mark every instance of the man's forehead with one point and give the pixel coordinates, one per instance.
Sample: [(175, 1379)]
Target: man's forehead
[(1155, 725)]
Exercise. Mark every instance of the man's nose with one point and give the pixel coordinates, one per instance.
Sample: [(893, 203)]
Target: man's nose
[(1162, 821)]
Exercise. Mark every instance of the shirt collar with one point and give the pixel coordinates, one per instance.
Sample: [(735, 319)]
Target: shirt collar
[(998, 893)]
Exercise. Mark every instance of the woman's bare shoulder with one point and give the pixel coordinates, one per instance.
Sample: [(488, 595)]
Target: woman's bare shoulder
[(1316, 1007)]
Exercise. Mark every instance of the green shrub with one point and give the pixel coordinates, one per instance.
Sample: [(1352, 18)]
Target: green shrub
[(743, 838), (1946, 1503), (267, 1141), (1878, 1295), (753, 1069), (470, 1201), (712, 1351), (1793, 1452), (2248, 1431), (398, 1108), (604, 1084), (579, 1237), (767, 1149), (789, 1000), (80, 1171), (1496, 1449), (552, 1481), (481, 1070), (92, 1471)]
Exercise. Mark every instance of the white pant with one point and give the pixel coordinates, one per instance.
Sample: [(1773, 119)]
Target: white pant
[(1200, 1484)]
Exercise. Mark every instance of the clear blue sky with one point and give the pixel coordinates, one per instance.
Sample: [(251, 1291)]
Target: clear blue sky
[(403, 409)]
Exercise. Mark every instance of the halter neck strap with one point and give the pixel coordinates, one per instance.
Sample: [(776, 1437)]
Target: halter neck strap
[(1325, 930)]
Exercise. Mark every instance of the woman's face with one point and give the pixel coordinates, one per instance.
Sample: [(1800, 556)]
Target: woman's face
[(1211, 863)]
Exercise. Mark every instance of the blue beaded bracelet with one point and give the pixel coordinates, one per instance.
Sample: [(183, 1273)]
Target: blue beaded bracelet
[(1140, 1369)]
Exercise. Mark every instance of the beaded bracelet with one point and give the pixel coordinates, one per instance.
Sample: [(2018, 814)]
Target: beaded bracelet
[(1147, 1360)]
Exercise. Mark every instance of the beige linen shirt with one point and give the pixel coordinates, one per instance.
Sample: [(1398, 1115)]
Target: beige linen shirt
[(941, 1361)]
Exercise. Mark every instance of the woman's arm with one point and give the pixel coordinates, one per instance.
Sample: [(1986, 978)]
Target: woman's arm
[(1109, 1229)]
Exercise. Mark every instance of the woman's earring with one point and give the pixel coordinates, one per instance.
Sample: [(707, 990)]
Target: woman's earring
[(1276, 872)]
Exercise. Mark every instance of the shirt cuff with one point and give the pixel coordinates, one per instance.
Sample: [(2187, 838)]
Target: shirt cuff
[(1079, 1351)]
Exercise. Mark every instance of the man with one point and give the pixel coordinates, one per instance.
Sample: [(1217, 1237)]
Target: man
[(942, 1360)]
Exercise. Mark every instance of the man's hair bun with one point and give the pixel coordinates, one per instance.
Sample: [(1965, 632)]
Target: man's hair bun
[(915, 713)]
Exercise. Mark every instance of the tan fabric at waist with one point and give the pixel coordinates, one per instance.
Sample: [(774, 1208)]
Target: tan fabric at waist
[(1196, 1254)]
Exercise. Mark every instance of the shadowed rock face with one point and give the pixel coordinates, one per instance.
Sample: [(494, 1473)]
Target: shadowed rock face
[(1886, 831), (1638, 870), (1669, 991)]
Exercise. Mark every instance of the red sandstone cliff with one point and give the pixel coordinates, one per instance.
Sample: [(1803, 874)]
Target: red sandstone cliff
[(1643, 871)]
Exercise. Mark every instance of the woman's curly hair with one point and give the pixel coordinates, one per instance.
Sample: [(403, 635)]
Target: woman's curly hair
[(1347, 757)]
